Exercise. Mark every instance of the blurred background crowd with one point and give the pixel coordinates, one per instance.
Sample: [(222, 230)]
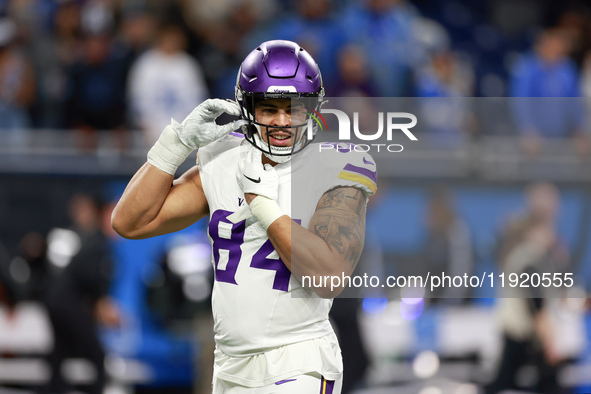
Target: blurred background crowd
[(132, 64), (498, 183)]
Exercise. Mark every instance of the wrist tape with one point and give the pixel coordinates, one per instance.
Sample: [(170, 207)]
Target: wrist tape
[(168, 152), (265, 210)]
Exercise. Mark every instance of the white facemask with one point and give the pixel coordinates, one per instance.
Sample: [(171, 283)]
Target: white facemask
[(279, 154)]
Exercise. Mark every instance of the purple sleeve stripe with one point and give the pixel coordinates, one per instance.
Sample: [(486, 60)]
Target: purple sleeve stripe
[(326, 386), (329, 386), (236, 134), (373, 175)]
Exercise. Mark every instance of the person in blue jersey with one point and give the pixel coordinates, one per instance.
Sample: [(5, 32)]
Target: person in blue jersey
[(547, 104)]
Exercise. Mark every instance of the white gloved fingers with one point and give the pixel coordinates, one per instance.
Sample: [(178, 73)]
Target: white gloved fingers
[(249, 165), (199, 128), (255, 158), (232, 107), (230, 127), (271, 172), (258, 180), (212, 108)]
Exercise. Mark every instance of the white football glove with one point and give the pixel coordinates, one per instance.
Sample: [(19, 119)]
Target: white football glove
[(263, 181), (256, 179), (199, 129)]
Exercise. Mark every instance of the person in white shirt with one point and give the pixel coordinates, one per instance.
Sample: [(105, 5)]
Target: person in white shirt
[(164, 82)]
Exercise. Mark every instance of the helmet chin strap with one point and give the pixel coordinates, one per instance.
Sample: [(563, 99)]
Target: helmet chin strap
[(266, 149), (277, 159), (276, 154)]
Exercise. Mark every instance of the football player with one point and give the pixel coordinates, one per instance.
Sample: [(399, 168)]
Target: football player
[(279, 209)]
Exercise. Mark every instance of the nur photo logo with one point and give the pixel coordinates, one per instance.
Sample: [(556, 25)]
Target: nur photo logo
[(388, 124)]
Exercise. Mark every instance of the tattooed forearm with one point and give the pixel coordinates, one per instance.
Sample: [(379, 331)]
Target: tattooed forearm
[(343, 196), (340, 220)]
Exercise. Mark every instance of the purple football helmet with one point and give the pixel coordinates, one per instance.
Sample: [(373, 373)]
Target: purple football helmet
[(278, 69)]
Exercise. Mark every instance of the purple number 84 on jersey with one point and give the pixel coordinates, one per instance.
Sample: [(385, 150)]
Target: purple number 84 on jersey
[(227, 238)]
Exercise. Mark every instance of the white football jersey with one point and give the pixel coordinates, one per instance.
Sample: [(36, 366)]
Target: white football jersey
[(258, 306)]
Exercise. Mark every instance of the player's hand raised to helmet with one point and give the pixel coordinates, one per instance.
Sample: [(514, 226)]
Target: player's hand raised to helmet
[(199, 127)]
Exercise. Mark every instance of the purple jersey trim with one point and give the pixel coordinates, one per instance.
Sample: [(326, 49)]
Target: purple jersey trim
[(329, 386), (367, 161), (363, 171), (284, 381), (237, 134), (326, 386)]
